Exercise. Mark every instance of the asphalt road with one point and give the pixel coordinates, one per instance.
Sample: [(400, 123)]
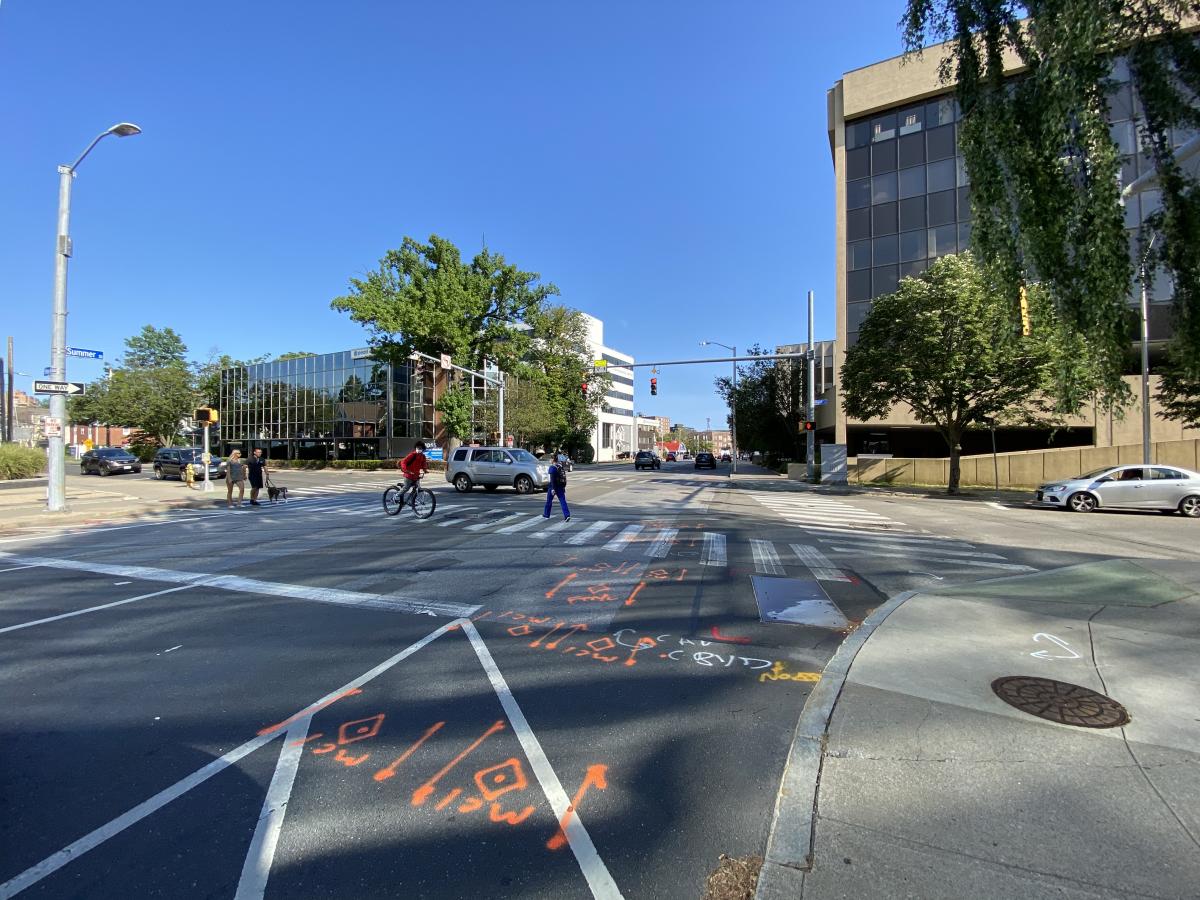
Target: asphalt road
[(314, 700)]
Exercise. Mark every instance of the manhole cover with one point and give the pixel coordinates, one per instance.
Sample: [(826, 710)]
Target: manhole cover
[(1058, 701)]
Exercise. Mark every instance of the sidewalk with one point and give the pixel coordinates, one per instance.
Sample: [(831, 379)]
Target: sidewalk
[(931, 786), (90, 500)]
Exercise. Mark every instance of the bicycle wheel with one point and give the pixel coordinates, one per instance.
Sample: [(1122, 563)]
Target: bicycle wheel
[(392, 500), (424, 502)]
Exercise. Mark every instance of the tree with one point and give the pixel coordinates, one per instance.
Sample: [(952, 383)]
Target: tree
[(768, 406), (1179, 393), (424, 297), (943, 344), (155, 349), (1045, 169), (208, 374), (455, 408), (558, 359)]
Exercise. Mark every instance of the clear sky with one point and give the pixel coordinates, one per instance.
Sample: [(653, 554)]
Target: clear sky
[(665, 163)]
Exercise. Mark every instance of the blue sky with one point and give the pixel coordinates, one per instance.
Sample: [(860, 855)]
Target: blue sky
[(665, 164)]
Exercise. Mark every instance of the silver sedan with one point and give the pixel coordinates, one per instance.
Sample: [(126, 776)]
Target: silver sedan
[(1166, 488)]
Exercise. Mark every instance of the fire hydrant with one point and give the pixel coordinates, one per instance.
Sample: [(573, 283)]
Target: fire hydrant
[(189, 475)]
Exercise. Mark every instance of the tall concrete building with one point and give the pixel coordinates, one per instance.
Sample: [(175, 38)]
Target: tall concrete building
[(903, 200), (616, 429)]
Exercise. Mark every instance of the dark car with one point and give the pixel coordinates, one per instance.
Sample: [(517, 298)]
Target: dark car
[(671, 457), (108, 461), (169, 462), (705, 461), (646, 459)]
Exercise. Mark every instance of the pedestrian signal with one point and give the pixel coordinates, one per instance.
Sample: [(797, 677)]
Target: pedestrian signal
[(206, 415), (583, 389), (1026, 329), (810, 426), (653, 387)]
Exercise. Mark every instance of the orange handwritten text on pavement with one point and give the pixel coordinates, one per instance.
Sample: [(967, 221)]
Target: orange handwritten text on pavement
[(596, 777), (421, 794)]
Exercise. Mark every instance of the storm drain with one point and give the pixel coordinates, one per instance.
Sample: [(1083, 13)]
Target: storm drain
[(1058, 701)]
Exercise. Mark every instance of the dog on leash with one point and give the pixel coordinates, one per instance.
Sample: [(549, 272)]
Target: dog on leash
[(276, 494)]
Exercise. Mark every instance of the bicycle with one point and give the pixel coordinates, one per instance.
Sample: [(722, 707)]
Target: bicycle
[(423, 501)]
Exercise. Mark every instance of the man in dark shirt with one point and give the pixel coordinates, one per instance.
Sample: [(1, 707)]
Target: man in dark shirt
[(256, 467)]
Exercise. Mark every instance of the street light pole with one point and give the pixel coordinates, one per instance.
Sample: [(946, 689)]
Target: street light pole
[(732, 407), (56, 495)]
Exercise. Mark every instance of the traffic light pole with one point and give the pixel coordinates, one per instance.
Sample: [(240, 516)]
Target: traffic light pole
[(810, 397), (208, 485)]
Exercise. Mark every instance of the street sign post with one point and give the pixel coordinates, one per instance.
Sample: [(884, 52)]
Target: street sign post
[(85, 354), (58, 387)]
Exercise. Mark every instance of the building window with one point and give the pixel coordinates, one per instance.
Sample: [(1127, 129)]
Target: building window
[(913, 245), (912, 182), (884, 250), (883, 219), (911, 269), (883, 127), (912, 150), (912, 120), (856, 313), (858, 163), (943, 240), (964, 204), (941, 175), (858, 224), (858, 286), (883, 188), (942, 207), (939, 143), (941, 112), (912, 213), (858, 135), (858, 255), (858, 194), (606, 435), (884, 280), (883, 157)]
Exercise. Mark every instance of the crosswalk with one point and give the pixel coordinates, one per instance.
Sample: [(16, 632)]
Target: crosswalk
[(846, 530)]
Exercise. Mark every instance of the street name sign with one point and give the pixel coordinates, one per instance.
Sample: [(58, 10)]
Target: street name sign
[(58, 387), (85, 354)]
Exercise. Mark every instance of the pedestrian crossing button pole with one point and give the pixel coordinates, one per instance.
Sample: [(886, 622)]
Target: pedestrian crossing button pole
[(206, 417)]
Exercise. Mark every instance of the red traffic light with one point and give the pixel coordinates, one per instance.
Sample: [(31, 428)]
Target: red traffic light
[(653, 386), (583, 388)]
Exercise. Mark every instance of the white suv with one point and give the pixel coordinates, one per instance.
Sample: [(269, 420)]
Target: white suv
[(495, 466)]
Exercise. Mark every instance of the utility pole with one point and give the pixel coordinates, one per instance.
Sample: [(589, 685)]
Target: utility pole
[(8, 428), (810, 396)]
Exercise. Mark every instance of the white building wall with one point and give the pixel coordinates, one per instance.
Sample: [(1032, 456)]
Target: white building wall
[(616, 428)]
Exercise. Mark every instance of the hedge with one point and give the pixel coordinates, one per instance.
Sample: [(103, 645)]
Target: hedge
[(20, 462)]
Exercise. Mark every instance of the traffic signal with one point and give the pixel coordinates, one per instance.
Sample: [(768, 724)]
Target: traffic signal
[(206, 415), (1025, 325), (810, 426), (583, 390), (653, 387)]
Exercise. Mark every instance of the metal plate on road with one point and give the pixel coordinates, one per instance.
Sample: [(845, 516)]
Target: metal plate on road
[(58, 387), (796, 601)]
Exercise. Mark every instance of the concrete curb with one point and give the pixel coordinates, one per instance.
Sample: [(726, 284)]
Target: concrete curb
[(790, 844)]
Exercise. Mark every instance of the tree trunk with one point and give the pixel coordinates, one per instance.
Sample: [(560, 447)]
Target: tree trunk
[(955, 466)]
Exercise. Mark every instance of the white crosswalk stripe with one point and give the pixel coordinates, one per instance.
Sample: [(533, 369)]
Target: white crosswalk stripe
[(766, 560), (553, 529), (521, 526), (584, 536), (927, 557), (851, 546), (713, 553), (628, 533), (662, 543), (818, 563), (482, 525)]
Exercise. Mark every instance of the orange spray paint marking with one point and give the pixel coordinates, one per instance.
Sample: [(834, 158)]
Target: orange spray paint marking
[(550, 593), (311, 737), (643, 643), (288, 721), (348, 760), (448, 799), (388, 771), (682, 572), (497, 815), (470, 805), (629, 601), (359, 729), (729, 640), (421, 794), (553, 645), (596, 776), (520, 630)]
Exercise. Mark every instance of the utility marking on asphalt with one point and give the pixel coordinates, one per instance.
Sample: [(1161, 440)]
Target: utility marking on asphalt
[(662, 543), (257, 866), (482, 525), (521, 526), (766, 560), (627, 534), (93, 839), (388, 602), (818, 563), (546, 532), (713, 553), (92, 609), (586, 535), (590, 864)]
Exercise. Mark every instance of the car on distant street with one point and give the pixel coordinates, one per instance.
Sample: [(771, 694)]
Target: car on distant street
[(169, 462), (671, 457), (705, 461), (725, 457), (492, 467), (646, 459), (1164, 488), (109, 461)]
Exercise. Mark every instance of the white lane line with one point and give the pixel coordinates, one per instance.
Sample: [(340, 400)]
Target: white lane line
[(766, 560), (92, 609), (627, 534), (19, 568), (479, 526), (995, 505), (586, 535), (521, 526), (590, 864), (872, 546), (891, 537), (818, 563), (390, 602), (170, 649), (662, 543), (93, 839), (836, 518), (553, 529), (916, 554), (122, 582), (257, 867), (713, 553)]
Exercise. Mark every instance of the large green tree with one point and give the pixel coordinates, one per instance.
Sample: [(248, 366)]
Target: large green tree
[(1045, 168), (944, 345), (558, 359), (425, 297), (768, 406)]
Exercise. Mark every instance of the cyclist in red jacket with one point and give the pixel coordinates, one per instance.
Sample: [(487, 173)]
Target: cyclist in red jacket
[(413, 467)]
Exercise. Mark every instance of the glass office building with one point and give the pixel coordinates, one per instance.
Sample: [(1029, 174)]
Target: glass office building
[(333, 406)]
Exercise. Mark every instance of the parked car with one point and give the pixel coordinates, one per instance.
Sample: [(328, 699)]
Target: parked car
[(1165, 488), (108, 461), (646, 459), (492, 467), (705, 461), (169, 462)]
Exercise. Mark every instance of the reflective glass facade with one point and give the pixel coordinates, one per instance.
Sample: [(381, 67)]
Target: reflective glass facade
[(333, 406)]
